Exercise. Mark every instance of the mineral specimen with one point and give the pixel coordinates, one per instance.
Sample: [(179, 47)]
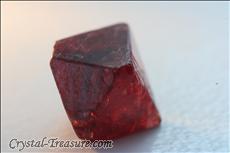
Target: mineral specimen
[(103, 88)]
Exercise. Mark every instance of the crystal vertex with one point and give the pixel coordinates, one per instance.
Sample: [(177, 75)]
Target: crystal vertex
[(102, 86)]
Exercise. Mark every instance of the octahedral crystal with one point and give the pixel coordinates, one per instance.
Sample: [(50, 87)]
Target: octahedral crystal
[(103, 88)]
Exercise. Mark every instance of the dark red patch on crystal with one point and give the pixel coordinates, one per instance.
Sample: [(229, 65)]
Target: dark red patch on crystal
[(103, 88)]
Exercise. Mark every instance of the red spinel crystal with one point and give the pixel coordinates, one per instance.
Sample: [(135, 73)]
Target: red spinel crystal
[(102, 86)]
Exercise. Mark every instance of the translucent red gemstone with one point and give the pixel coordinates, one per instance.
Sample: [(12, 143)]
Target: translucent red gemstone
[(102, 86)]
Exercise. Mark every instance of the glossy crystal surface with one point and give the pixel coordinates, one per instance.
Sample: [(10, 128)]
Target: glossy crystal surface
[(103, 88)]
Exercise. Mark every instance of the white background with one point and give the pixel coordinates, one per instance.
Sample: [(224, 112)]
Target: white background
[(183, 45)]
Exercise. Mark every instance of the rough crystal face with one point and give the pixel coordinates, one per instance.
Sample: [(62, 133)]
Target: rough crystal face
[(102, 86)]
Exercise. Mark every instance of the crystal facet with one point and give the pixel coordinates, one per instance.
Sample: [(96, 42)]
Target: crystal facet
[(103, 88)]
